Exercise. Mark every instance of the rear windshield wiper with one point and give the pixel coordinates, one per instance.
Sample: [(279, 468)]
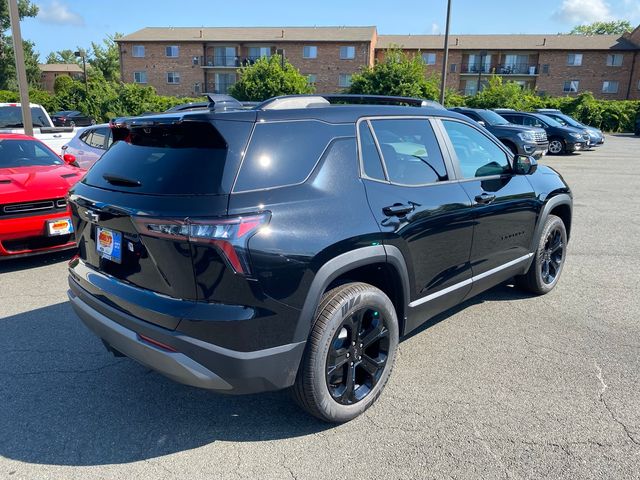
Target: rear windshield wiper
[(121, 181)]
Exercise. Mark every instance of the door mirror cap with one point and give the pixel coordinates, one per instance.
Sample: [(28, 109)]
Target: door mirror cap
[(69, 159), (524, 164)]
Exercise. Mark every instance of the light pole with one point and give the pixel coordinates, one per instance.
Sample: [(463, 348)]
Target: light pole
[(21, 73), (445, 61), (83, 55)]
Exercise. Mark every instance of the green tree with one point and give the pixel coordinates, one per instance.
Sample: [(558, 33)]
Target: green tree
[(398, 74), (498, 93), (106, 57), (7, 63), (614, 27), (63, 56), (267, 78)]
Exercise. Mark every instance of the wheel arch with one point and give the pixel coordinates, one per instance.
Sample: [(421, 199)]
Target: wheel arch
[(360, 265), (560, 205)]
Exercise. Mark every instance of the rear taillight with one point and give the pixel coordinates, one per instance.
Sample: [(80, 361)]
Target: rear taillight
[(230, 235)]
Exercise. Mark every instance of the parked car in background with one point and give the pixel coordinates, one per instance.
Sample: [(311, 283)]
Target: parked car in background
[(89, 144), (519, 139), (43, 128), (187, 262), (34, 181), (72, 118), (562, 139), (596, 137)]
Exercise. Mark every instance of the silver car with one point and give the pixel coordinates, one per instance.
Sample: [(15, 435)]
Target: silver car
[(89, 144), (596, 137)]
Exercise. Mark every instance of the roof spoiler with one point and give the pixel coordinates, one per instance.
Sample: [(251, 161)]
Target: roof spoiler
[(220, 102)]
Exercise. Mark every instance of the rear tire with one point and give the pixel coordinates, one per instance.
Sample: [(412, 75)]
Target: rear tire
[(549, 257), (349, 354)]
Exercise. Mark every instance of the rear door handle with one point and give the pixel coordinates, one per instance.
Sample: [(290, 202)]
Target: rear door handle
[(485, 198), (397, 210)]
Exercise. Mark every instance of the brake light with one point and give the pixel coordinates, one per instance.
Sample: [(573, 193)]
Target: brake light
[(230, 235)]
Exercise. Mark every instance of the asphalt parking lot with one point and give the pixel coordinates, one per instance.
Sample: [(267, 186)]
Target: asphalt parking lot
[(506, 386)]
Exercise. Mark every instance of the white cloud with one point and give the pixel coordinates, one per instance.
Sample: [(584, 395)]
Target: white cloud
[(58, 13), (435, 29), (580, 12)]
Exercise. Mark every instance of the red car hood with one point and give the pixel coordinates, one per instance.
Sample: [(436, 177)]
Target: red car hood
[(23, 184)]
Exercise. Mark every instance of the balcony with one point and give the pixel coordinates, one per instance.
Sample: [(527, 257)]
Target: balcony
[(522, 69), (216, 61), (220, 87)]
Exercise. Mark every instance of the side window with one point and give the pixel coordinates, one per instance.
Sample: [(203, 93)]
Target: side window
[(98, 137), (86, 136), (283, 153), (473, 116), (370, 157), (109, 138), (477, 154), (410, 151), (517, 119), (532, 122)]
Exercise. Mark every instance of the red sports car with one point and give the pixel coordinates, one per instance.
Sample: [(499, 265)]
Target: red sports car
[(34, 216)]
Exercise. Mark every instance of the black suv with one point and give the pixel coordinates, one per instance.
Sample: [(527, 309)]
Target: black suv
[(562, 139), (293, 244), (519, 139)]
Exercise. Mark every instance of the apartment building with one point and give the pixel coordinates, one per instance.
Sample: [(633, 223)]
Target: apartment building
[(606, 65), (50, 71), (190, 61)]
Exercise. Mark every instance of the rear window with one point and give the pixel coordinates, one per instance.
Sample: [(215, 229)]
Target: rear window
[(183, 159), (283, 153)]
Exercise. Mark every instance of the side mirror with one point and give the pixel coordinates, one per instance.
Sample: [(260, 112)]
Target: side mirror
[(69, 159), (481, 122), (524, 165)]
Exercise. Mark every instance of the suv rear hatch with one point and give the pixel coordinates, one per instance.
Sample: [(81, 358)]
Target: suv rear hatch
[(161, 187)]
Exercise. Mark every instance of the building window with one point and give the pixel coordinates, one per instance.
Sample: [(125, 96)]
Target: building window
[(470, 87), (429, 58), (610, 87), (172, 51), (453, 68), (545, 68), (195, 60), (614, 60), (197, 89), (256, 53), (574, 59), (347, 53), (173, 77), (571, 86), (224, 81), (137, 51), (140, 77), (344, 80), (312, 78), (309, 51)]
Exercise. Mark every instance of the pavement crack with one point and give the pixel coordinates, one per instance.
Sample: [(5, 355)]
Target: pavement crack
[(602, 399)]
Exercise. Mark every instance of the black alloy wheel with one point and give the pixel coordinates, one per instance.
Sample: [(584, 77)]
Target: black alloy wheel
[(357, 356), (552, 256)]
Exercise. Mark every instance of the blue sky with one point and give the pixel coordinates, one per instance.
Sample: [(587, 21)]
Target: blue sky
[(64, 24)]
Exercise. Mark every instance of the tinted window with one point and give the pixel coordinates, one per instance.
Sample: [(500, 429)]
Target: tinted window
[(477, 154), (517, 119), (532, 122), (97, 139), (282, 153), (370, 157), (410, 151), (166, 160), (11, 117), (86, 136), (25, 153)]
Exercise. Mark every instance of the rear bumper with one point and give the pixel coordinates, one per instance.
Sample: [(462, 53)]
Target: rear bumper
[(31, 229), (187, 360)]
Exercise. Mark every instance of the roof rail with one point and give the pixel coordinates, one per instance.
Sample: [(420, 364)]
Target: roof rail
[(317, 99)]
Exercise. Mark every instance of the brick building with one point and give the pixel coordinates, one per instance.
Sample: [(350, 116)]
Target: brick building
[(50, 71), (189, 61)]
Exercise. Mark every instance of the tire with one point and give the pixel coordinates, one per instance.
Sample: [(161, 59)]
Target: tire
[(347, 314), (548, 258), (558, 148)]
